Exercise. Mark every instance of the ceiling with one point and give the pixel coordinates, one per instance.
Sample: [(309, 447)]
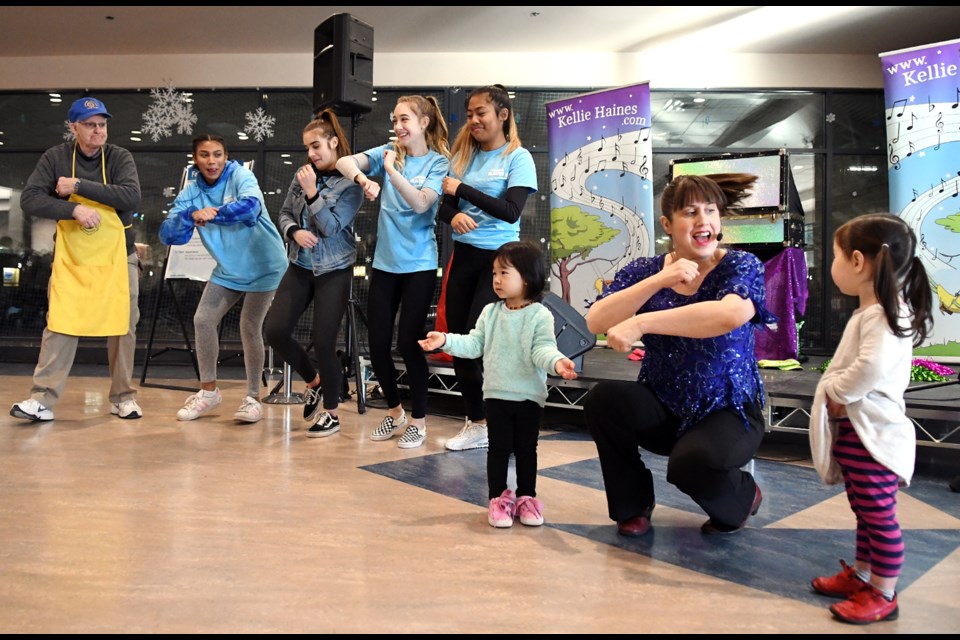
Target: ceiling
[(92, 30)]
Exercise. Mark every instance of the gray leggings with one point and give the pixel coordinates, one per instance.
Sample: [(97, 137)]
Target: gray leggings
[(214, 304)]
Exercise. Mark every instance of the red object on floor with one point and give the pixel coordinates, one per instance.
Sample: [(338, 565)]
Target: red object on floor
[(441, 324)]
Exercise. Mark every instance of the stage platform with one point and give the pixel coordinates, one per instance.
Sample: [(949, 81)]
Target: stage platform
[(935, 411)]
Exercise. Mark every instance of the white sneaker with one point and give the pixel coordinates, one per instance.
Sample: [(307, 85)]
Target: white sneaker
[(199, 404), (250, 410), (30, 409), (413, 437), (126, 409), (471, 436)]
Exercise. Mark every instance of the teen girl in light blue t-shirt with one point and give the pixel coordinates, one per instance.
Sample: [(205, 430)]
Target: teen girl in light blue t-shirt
[(491, 176), (405, 259)]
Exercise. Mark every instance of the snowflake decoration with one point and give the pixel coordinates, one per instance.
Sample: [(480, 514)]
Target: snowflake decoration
[(170, 108), (831, 118), (68, 135), (259, 125)]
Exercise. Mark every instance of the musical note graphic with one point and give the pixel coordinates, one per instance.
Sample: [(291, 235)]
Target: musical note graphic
[(915, 194), (643, 135), (912, 149), (930, 106), (904, 101), (616, 151), (958, 100), (623, 173), (580, 156), (601, 165), (893, 158), (896, 139), (644, 169), (940, 121), (913, 118)]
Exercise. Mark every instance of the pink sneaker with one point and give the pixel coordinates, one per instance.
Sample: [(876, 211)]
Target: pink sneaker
[(530, 511), (502, 509)]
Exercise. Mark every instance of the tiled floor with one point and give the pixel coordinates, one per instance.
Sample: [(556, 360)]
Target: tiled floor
[(211, 526)]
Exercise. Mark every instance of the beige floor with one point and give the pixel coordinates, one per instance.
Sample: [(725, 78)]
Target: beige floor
[(153, 525)]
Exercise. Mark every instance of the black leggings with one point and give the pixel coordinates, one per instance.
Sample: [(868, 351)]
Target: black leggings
[(704, 462), (513, 427), (329, 293), (469, 290), (411, 295)]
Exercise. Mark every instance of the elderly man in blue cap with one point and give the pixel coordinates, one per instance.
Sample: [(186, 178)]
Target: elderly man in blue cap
[(92, 190)]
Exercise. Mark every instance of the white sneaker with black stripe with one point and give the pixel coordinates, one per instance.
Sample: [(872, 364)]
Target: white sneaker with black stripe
[(30, 409), (311, 403), (327, 425)]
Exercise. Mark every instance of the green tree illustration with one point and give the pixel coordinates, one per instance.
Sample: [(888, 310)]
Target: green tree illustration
[(573, 235)]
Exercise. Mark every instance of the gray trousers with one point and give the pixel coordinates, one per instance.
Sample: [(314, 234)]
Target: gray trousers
[(58, 350), (214, 304)]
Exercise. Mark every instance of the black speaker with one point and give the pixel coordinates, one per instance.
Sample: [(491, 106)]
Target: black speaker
[(573, 337), (343, 65)]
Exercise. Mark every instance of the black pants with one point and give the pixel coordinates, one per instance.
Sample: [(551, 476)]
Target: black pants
[(330, 293), (704, 462), (513, 427), (469, 290), (411, 295)]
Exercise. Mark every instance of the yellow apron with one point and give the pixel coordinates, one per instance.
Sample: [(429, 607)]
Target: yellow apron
[(89, 285)]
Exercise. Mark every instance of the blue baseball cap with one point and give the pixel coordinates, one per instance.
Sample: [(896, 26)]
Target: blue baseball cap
[(85, 108)]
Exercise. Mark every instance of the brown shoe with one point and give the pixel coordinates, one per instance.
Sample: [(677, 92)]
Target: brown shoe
[(636, 526)]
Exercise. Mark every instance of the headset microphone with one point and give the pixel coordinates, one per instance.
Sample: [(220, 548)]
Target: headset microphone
[(720, 237)]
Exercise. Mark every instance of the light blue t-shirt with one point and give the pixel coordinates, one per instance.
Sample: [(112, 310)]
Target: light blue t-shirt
[(406, 241), (492, 173)]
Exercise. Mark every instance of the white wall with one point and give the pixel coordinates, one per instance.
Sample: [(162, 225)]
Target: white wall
[(546, 70)]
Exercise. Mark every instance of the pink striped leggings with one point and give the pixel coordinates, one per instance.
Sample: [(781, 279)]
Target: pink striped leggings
[(872, 491)]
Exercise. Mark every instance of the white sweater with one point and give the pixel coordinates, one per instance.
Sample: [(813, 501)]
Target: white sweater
[(869, 373)]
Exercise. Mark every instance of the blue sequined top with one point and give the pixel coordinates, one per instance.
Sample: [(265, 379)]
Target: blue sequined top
[(693, 377)]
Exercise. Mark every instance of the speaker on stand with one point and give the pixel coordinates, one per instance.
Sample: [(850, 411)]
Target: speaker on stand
[(343, 82)]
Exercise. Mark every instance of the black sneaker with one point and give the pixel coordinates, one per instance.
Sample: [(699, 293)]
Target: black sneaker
[(327, 425), (311, 403)]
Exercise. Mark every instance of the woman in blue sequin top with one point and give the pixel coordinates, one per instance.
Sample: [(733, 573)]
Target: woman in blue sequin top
[(699, 396)]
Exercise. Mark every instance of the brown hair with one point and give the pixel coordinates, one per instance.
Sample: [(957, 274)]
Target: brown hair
[(327, 122), (722, 189), (436, 132), (890, 244)]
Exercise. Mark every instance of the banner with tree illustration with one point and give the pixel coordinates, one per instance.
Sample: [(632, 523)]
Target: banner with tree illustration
[(922, 93), (601, 196)]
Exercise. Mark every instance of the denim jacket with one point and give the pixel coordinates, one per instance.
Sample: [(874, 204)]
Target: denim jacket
[(330, 217)]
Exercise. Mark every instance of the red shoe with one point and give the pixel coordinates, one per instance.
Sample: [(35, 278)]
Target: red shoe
[(842, 585), (866, 606), (636, 526)]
